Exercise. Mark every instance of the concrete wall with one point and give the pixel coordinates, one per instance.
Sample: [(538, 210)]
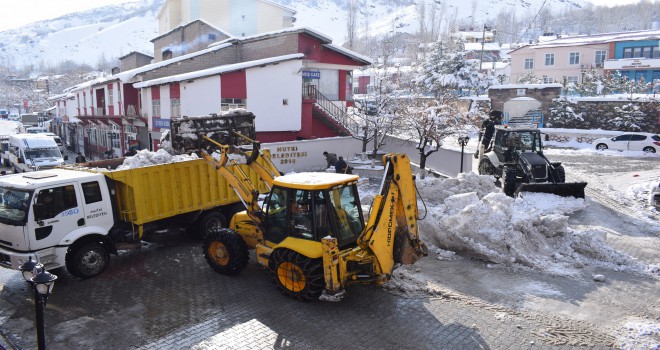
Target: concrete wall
[(444, 161), (307, 155), (200, 97)]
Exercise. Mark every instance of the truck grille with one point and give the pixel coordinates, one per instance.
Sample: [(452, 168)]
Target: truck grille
[(539, 172), (4, 260)]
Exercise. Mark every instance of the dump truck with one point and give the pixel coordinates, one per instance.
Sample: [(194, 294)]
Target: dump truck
[(76, 216), (515, 156), (309, 232)]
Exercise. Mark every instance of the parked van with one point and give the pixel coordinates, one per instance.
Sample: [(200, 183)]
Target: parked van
[(58, 141), (36, 130), (30, 152)]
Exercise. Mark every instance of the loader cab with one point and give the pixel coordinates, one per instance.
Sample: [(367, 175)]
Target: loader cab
[(314, 211), (507, 140)]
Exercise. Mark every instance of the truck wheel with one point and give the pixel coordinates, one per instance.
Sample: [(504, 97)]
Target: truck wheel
[(225, 251), (509, 180), (486, 167), (561, 174), (211, 221), (295, 275), (87, 260)]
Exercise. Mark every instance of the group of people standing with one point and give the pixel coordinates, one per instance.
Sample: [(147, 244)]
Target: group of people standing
[(340, 165)]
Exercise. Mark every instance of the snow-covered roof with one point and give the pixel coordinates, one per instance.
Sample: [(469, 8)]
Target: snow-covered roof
[(135, 53), (486, 47), (595, 39), (218, 70), (525, 86), (325, 39)]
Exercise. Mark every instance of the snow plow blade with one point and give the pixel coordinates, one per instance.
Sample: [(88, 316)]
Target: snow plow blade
[(233, 128), (572, 189)]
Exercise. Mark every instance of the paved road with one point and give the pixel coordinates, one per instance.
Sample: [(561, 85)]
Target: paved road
[(164, 296)]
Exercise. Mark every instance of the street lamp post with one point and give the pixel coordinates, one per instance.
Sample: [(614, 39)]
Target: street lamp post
[(463, 141), (42, 283)]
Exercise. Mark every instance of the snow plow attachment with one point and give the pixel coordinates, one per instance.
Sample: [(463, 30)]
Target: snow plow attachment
[(191, 134), (571, 189)]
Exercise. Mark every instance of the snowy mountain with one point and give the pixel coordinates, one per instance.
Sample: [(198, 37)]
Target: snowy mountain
[(110, 32)]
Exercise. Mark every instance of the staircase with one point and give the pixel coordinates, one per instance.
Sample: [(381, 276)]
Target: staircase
[(329, 113), (532, 119)]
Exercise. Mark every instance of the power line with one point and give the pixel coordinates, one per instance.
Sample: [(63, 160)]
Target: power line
[(532, 22)]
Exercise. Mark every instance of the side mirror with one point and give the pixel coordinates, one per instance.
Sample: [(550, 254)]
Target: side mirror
[(20, 160), (66, 157)]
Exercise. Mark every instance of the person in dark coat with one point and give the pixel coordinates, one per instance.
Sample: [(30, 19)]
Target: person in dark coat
[(330, 158), (341, 166), (80, 158), (487, 131)]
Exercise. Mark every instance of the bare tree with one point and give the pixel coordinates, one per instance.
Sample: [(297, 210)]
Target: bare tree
[(351, 23), (421, 13), (429, 122)]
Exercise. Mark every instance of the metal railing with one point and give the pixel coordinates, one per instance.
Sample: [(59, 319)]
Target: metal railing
[(326, 105)]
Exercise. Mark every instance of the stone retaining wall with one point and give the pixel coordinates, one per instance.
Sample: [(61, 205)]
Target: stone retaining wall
[(601, 114)]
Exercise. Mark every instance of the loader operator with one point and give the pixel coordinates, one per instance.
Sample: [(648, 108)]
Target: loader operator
[(487, 131)]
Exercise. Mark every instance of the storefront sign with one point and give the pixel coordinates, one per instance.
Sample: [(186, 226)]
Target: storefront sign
[(287, 155), (636, 64), (161, 123), (310, 74)]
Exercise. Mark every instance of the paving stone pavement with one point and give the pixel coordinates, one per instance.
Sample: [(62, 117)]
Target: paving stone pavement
[(166, 297)]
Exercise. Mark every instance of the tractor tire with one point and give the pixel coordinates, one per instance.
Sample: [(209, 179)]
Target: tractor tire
[(225, 251), (601, 146), (486, 167), (87, 259), (297, 276), (211, 221), (509, 180), (561, 174)]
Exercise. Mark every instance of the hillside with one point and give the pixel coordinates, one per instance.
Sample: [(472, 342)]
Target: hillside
[(107, 33)]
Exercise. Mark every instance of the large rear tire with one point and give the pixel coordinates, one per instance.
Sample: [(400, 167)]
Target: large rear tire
[(486, 167), (509, 180), (297, 276), (87, 259), (225, 251)]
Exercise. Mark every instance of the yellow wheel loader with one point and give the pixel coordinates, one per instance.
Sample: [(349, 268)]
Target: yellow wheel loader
[(309, 232)]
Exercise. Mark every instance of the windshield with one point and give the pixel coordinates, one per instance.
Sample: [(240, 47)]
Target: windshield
[(347, 213), (13, 204), (525, 141), (43, 153)]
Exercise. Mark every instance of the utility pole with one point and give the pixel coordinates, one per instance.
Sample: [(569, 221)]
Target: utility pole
[(483, 39)]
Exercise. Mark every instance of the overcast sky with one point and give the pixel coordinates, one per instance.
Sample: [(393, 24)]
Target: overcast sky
[(18, 13)]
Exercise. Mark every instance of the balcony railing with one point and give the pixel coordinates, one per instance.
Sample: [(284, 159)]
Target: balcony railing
[(331, 109)]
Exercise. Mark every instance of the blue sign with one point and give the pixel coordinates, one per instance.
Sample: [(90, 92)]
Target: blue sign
[(310, 74), (161, 123)]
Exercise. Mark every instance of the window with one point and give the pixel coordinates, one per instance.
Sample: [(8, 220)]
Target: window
[(627, 52), (637, 52), (600, 56), (572, 80), (155, 108), (167, 54), (549, 59), (637, 138), (231, 103), (53, 201), (529, 63), (647, 52), (92, 192), (548, 80), (212, 37), (111, 96), (574, 58), (175, 104)]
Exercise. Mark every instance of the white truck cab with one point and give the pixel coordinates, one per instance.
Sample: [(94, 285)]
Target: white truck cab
[(53, 216), (30, 152)]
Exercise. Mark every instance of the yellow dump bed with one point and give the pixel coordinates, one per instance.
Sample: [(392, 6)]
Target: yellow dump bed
[(156, 192)]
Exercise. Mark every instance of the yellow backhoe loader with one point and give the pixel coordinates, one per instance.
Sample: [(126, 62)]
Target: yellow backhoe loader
[(310, 232)]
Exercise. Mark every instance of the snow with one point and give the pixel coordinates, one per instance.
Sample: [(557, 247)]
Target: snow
[(147, 158)]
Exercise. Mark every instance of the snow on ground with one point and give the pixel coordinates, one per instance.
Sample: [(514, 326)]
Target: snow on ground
[(9, 127), (469, 215), (146, 158)]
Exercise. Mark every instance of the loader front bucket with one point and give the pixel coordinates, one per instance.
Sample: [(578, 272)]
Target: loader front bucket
[(566, 189), (232, 128)]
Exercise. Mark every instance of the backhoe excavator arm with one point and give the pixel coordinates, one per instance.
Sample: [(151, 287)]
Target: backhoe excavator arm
[(391, 233)]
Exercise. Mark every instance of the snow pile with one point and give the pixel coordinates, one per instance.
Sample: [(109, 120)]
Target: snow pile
[(470, 216), (146, 158)]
